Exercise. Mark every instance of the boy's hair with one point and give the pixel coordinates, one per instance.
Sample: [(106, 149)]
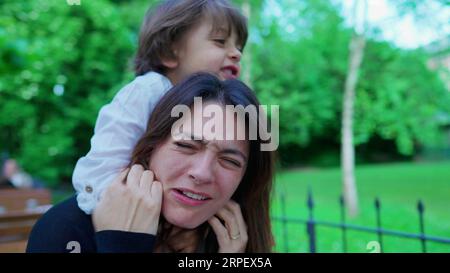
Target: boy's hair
[(169, 21)]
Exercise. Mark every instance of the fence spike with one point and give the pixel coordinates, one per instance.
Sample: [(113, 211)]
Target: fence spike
[(377, 203), (378, 217), (310, 201), (420, 206), (421, 209), (343, 227)]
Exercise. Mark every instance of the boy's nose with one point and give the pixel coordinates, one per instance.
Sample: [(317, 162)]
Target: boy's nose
[(235, 54)]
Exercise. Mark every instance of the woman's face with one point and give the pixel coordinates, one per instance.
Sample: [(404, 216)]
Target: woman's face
[(199, 176)]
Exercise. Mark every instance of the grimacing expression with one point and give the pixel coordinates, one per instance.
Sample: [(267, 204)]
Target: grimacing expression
[(199, 176)]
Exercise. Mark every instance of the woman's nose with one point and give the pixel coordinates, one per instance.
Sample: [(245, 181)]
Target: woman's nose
[(201, 171)]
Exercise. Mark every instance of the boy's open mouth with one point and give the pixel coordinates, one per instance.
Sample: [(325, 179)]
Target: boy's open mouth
[(230, 72)]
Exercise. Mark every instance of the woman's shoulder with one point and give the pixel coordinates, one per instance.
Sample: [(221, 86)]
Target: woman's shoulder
[(68, 211), (63, 225)]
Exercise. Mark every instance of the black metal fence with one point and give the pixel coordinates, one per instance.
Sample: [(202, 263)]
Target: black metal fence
[(311, 224)]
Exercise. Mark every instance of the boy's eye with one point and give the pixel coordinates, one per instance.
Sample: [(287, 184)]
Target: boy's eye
[(220, 41)]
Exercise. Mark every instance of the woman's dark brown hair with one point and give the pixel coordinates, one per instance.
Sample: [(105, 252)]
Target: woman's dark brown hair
[(253, 192), (166, 25)]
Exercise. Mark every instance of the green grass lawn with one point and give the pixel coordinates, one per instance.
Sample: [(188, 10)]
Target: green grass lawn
[(398, 186)]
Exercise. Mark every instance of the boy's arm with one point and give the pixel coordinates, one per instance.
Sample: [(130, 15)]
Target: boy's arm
[(119, 126)]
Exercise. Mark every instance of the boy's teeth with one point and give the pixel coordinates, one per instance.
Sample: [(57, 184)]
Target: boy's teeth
[(193, 195)]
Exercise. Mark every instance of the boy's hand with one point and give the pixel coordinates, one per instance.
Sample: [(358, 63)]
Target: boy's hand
[(134, 205), (233, 236)]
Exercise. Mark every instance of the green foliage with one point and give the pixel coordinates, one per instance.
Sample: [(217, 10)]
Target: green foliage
[(61, 63), (399, 98), (300, 63), (303, 72)]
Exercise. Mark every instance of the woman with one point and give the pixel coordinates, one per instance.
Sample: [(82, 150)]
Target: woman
[(186, 189)]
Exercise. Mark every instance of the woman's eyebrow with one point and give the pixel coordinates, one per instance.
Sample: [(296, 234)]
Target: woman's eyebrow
[(224, 151), (191, 137)]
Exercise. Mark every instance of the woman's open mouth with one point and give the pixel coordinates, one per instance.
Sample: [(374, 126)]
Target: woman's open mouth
[(188, 197)]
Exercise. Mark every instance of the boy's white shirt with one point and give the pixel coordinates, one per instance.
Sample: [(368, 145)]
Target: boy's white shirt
[(120, 124)]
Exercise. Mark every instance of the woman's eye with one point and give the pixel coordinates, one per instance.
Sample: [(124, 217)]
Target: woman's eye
[(184, 145), (233, 162)]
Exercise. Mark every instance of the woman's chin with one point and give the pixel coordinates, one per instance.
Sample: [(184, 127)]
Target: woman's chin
[(182, 217), (183, 223)]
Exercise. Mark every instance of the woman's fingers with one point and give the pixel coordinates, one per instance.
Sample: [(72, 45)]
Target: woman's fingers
[(120, 179), (231, 223), (232, 235), (237, 212), (134, 177), (146, 181), (220, 230), (118, 182), (134, 206), (156, 191)]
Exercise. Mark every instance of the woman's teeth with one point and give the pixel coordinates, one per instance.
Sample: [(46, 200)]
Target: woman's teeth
[(194, 196)]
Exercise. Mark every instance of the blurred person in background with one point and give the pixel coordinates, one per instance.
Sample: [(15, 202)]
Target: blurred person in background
[(14, 177)]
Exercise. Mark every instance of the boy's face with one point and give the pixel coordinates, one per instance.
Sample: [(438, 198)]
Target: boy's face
[(201, 49)]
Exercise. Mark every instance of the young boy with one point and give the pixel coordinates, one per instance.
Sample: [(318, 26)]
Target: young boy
[(177, 38)]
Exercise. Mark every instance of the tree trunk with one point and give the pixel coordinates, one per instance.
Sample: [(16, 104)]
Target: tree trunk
[(357, 45)]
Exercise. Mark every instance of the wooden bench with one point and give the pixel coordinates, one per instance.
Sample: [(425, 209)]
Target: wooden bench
[(23, 199), (20, 209), (15, 228)]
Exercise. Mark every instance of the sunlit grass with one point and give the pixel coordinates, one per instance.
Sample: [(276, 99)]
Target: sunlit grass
[(398, 186)]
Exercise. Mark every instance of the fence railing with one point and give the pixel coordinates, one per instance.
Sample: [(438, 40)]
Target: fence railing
[(311, 224)]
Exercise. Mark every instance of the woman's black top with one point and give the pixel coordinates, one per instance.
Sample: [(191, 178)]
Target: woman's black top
[(66, 228)]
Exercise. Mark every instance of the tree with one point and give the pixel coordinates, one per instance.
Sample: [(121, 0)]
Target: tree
[(64, 63), (356, 53)]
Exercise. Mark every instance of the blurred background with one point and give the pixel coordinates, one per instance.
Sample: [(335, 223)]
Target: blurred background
[(379, 108)]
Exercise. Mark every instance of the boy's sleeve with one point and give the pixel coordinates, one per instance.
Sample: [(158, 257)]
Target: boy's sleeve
[(119, 126)]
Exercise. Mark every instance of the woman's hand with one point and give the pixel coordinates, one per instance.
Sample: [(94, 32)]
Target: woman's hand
[(134, 205), (233, 236)]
